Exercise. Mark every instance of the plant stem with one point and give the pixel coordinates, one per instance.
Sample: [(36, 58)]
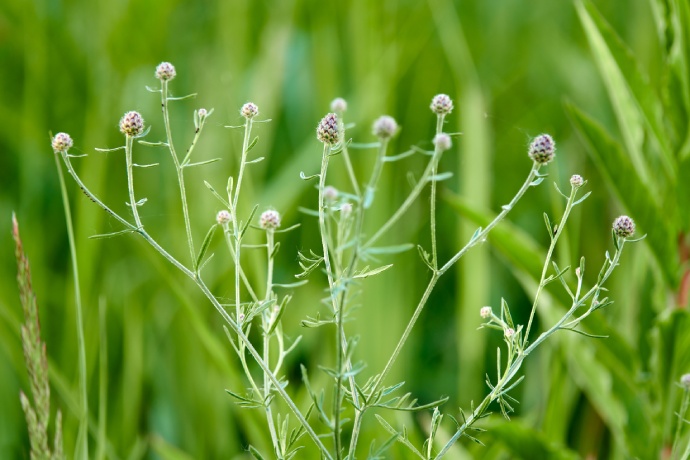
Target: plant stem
[(432, 212), (178, 169), (334, 300), (267, 340), (83, 437), (130, 181), (346, 156)]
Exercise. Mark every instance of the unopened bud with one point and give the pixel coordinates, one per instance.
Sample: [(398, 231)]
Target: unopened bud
[(270, 219), (223, 217), (339, 105), (330, 193), (542, 149), (624, 227), (442, 142), (576, 181), (385, 127), (485, 312), (441, 104), (327, 130), (131, 124), (62, 142), (249, 110), (165, 71)]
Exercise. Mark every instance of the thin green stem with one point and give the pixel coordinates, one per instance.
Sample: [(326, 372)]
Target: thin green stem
[(334, 300), (346, 156), (83, 437), (432, 210), (130, 181), (243, 162), (267, 340), (375, 174), (178, 168)]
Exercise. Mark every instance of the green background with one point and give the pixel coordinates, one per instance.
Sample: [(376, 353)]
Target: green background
[(509, 65)]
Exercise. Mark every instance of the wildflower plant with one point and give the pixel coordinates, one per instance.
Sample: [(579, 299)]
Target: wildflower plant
[(346, 256)]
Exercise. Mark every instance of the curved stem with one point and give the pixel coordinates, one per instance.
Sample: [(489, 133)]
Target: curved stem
[(83, 436), (130, 181), (432, 219)]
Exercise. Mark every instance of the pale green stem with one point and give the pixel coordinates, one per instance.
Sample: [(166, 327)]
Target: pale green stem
[(547, 263), (216, 304), (130, 181), (437, 274), (437, 154), (334, 300), (83, 437), (346, 156), (375, 175), (178, 169), (243, 275), (267, 342), (243, 162), (681, 420)]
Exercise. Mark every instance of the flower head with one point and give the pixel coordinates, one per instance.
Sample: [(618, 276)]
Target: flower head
[(576, 181), (131, 124), (270, 219), (542, 149), (685, 381), (346, 209), (202, 113), (624, 227), (441, 104), (485, 312), (62, 142), (223, 217), (330, 193), (442, 142), (165, 71), (249, 110), (509, 332), (385, 127), (327, 131), (339, 105)]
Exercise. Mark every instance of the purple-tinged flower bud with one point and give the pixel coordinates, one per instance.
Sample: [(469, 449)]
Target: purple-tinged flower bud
[(624, 227), (509, 332), (62, 142), (223, 217), (165, 71), (202, 113), (330, 193), (542, 149), (385, 127), (442, 142), (131, 124), (485, 312), (249, 110), (346, 209), (576, 181), (685, 381), (241, 317), (339, 105), (327, 131), (270, 219), (441, 104)]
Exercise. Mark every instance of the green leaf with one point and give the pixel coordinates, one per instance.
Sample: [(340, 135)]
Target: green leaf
[(205, 245), (365, 272), (525, 442), (638, 198)]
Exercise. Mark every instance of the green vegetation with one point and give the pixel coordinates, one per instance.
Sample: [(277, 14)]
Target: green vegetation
[(610, 84)]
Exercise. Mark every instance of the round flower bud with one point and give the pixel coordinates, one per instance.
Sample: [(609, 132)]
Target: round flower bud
[(623, 227), (485, 312), (327, 131), (542, 149), (385, 127), (223, 217), (241, 317), (346, 209), (62, 142), (132, 124), (441, 104), (509, 332), (685, 381), (165, 71), (249, 110), (576, 181), (270, 219), (442, 142), (202, 113), (330, 193), (339, 105)]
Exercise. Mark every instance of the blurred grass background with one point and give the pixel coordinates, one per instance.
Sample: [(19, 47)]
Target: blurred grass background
[(77, 66)]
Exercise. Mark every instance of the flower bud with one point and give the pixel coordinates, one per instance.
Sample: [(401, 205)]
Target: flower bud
[(327, 130), (685, 381), (249, 110), (270, 219), (62, 142), (624, 227), (346, 209), (131, 124), (442, 142), (542, 149), (441, 104), (223, 217), (576, 181), (385, 127), (165, 71), (202, 113), (330, 193), (485, 312), (339, 105), (509, 332)]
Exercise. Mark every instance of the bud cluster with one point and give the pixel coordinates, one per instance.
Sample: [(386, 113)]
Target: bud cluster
[(542, 149), (385, 127), (327, 131), (62, 142), (270, 219), (131, 124)]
